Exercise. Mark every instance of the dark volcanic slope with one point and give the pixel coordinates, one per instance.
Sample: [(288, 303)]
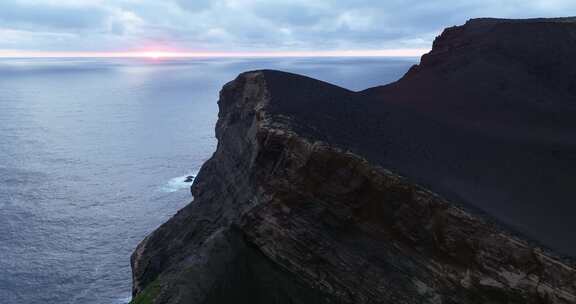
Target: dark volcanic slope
[(492, 119), (488, 119), (303, 200)]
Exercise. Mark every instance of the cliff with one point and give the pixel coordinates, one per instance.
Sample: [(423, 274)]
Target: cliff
[(314, 194)]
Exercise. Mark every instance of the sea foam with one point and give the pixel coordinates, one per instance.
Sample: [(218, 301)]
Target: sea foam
[(178, 183)]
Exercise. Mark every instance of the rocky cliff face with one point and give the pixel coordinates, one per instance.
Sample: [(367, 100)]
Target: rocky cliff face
[(298, 205)]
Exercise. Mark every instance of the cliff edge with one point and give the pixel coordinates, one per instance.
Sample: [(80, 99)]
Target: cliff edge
[(433, 189)]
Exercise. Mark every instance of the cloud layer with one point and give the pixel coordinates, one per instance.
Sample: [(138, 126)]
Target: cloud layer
[(246, 25)]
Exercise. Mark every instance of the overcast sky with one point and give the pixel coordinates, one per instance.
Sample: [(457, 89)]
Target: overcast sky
[(246, 25)]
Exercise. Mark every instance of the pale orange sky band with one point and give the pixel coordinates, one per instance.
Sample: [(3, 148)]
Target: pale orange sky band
[(161, 54)]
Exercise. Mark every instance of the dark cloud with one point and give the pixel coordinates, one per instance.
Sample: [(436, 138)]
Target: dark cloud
[(293, 13), (45, 16), (194, 5)]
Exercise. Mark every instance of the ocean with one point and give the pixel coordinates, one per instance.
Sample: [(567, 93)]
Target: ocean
[(94, 154)]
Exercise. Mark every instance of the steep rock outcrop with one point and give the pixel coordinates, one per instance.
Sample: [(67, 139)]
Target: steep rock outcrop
[(298, 205)]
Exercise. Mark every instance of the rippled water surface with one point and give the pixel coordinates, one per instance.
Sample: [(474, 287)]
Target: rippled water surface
[(94, 153)]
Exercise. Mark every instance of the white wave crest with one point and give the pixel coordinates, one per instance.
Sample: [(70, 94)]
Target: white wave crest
[(178, 183)]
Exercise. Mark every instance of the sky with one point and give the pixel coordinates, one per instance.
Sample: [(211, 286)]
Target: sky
[(220, 27)]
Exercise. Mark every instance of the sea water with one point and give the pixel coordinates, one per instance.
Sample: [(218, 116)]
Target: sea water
[(94, 154)]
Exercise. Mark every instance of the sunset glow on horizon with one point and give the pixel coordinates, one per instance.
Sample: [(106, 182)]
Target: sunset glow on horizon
[(167, 54)]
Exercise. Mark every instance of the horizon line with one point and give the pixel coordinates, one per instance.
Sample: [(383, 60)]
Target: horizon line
[(170, 54)]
